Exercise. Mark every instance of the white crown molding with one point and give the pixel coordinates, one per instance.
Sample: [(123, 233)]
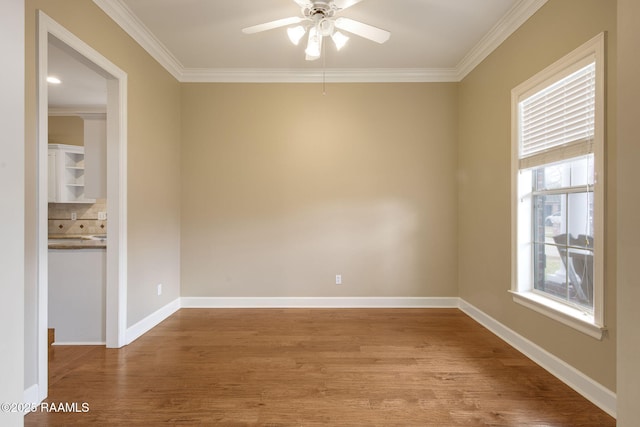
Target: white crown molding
[(372, 75), (126, 19), (517, 15), (129, 22)]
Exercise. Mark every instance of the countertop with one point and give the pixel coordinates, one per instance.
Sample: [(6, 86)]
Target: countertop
[(71, 241)]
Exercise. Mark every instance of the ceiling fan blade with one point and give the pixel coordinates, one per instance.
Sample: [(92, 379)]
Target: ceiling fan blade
[(273, 24), (375, 34), (343, 4), (303, 3)]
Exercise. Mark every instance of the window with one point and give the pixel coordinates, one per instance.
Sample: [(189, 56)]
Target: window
[(558, 190)]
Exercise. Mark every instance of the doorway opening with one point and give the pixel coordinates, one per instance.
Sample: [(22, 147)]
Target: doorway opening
[(115, 113)]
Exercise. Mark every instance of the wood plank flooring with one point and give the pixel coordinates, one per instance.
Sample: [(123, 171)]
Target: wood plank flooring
[(291, 367)]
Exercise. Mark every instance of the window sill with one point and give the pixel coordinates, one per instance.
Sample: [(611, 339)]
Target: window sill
[(564, 314)]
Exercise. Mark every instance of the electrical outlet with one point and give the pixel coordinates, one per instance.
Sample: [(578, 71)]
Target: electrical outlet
[(159, 289), (102, 216), (74, 216), (338, 279)]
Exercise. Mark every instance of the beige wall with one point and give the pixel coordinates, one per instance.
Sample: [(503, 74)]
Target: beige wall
[(484, 166), (628, 208), (66, 130), (153, 162), (283, 188)]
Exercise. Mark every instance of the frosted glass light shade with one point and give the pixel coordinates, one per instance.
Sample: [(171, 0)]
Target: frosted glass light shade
[(314, 45), (295, 34), (339, 39)]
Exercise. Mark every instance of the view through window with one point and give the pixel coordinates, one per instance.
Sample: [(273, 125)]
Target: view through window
[(563, 231)]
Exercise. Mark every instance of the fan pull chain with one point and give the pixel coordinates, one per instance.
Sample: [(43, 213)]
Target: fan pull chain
[(324, 84), (324, 70)]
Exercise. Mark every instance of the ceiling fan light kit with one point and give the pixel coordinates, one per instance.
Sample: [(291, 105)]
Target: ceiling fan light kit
[(296, 34), (314, 45), (339, 39), (321, 22)]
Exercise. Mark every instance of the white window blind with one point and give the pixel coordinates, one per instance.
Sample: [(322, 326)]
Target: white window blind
[(557, 123)]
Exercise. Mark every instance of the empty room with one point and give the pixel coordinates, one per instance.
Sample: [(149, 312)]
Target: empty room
[(342, 212)]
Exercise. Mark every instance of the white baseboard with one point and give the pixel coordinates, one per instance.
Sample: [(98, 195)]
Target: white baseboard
[(136, 331), (319, 302), (79, 343), (32, 395), (596, 393)]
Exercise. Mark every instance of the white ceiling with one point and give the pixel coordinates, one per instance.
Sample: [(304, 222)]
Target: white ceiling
[(431, 40), (82, 89), (201, 40)]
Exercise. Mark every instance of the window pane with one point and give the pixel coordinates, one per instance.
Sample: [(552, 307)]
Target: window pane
[(550, 274), (580, 217), (552, 176), (582, 171), (548, 217), (562, 231), (564, 273), (581, 277), (569, 173)]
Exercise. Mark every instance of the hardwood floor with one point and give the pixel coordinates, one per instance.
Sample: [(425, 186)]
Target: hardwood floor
[(281, 367)]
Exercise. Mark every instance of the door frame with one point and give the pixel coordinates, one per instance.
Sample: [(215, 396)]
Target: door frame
[(116, 269)]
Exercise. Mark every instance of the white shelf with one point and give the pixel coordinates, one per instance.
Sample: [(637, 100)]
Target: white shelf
[(66, 174)]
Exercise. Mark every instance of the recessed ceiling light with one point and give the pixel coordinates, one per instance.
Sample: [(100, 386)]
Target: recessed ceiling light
[(53, 80)]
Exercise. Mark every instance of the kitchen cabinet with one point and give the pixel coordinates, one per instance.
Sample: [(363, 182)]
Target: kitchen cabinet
[(66, 174), (77, 295)]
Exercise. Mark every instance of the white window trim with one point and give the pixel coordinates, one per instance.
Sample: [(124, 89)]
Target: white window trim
[(521, 288)]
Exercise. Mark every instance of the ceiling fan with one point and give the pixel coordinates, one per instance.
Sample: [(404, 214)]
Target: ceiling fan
[(320, 20)]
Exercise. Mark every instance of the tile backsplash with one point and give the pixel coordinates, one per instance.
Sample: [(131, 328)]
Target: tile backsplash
[(86, 222)]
